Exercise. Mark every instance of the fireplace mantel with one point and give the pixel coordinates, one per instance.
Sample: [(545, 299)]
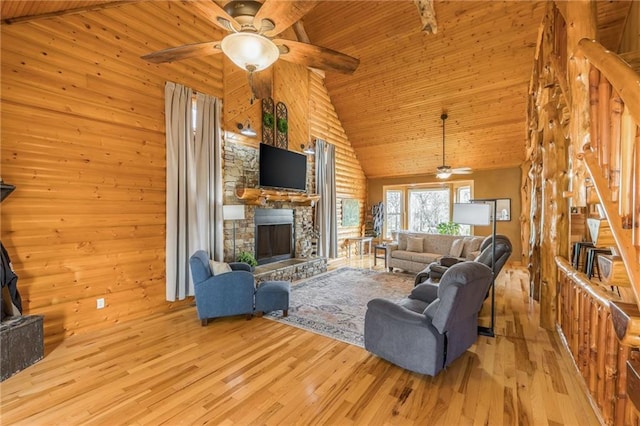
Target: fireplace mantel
[(260, 196)]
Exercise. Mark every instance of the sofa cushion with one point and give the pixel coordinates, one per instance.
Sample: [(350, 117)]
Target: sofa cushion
[(402, 254), (456, 247), (437, 243), (415, 244), (425, 258), (218, 268)]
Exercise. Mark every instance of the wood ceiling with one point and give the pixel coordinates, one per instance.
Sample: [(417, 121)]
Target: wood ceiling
[(476, 68)]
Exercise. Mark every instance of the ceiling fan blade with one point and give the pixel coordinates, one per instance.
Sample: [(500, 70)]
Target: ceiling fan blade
[(283, 14), (183, 52), (215, 14), (462, 171), (317, 57)]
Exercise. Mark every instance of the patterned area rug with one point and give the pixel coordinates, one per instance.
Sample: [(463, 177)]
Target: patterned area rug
[(333, 304)]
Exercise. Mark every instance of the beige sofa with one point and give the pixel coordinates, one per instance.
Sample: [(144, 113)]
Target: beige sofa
[(414, 251)]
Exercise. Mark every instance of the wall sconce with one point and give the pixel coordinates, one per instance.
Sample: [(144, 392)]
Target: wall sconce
[(309, 148), (246, 130)]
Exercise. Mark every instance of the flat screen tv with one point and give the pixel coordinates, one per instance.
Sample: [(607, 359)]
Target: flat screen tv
[(281, 168)]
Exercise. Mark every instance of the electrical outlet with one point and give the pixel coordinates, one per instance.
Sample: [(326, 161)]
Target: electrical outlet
[(100, 303)]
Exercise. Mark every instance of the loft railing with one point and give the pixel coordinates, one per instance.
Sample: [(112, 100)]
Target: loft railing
[(585, 323), (612, 158)]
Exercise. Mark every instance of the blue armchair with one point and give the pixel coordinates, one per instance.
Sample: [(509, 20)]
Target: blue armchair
[(224, 294)]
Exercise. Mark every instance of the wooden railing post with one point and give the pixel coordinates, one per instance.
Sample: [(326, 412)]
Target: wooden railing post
[(614, 161), (604, 95), (591, 334), (627, 141)]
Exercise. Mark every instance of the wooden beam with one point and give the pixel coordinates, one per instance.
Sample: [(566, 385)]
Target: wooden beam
[(580, 17), (90, 8), (427, 16)]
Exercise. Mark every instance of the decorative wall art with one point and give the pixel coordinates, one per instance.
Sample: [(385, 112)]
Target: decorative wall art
[(503, 209), (282, 126), (350, 212), (268, 122)]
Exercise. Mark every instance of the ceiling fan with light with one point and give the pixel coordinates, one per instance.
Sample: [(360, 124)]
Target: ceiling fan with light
[(251, 42), (444, 171)]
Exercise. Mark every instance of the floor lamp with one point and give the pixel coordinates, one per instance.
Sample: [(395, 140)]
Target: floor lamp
[(479, 213), (233, 213)]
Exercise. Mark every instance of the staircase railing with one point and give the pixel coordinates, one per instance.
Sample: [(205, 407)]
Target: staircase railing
[(585, 323), (612, 158)]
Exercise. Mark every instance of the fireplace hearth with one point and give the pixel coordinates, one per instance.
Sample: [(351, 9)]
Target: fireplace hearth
[(274, 236)]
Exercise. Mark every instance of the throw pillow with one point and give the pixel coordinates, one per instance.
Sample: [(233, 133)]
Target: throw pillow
[(218, 268), (456, 247), (471, 244), (414, 244), (402, 241)]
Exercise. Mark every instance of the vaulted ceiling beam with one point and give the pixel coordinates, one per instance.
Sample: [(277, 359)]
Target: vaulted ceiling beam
[(88, 8)]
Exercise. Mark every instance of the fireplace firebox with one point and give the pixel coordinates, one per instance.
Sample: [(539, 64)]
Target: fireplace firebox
[(274, 236)]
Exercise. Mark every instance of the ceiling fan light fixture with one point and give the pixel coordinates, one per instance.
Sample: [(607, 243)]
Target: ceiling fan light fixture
[(250, 51), (443, 175)]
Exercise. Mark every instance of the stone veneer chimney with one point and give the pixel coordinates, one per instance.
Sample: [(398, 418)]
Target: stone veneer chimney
[(240, 168)]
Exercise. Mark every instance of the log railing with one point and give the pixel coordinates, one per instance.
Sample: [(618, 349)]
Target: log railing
[(585, 324), (612, 156)]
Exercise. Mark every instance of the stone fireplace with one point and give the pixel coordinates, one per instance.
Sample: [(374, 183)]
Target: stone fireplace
[(289, 234), (274, 234)]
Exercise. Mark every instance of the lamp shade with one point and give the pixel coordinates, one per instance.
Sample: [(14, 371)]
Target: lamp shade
[(250, 51), (472, 214), (234, 212)]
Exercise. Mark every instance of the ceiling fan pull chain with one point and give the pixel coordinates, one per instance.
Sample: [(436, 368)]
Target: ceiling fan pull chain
[(253, 92)]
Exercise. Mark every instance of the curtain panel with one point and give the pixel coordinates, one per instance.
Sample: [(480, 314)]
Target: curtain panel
[(194, 184), (326, 212)]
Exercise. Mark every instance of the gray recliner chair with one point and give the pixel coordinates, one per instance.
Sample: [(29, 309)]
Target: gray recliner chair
[(433, 326), (435, 270)]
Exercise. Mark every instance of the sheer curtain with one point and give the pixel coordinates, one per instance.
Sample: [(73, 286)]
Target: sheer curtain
[(194, 184), (326, 217)]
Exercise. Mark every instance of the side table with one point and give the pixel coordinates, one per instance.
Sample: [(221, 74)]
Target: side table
[(383, 248), (360, 241)]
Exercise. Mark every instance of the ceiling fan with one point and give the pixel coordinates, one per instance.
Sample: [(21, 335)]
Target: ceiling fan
[(444, 171), (250, 43)]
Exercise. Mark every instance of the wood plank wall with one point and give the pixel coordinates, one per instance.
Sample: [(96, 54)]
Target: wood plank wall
[(83, 141), (324, 123)]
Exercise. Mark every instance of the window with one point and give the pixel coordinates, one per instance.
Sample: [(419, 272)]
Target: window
[(428, 208), (463, 195), (421, 207), (393, 217)]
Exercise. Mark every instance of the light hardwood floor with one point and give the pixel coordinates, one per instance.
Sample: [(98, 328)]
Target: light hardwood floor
[(168, 369)]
